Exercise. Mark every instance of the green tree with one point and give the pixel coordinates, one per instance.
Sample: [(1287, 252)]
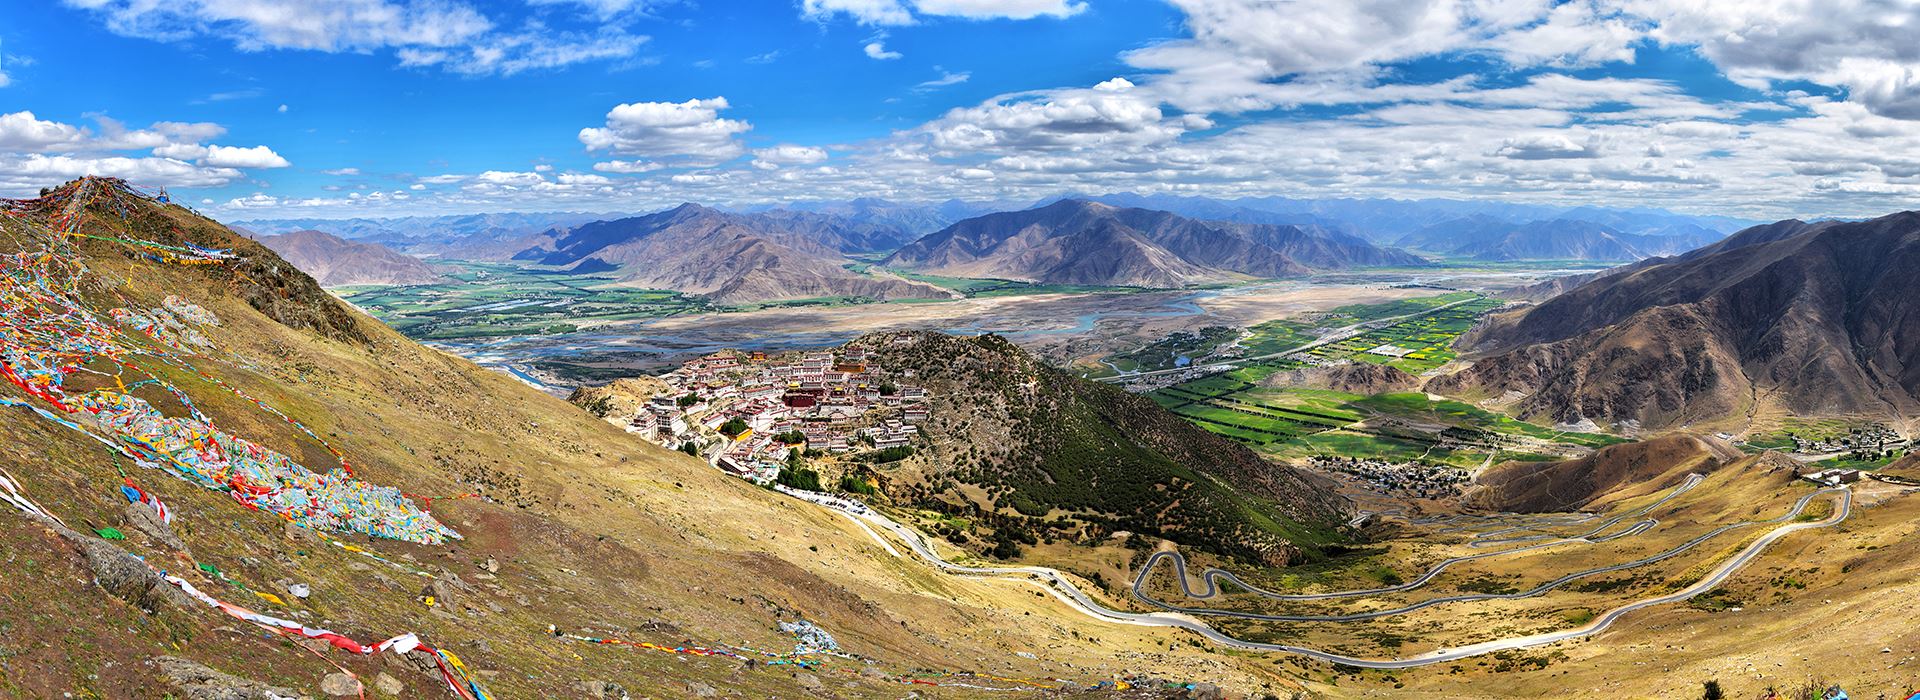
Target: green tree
[(733, 427), (799, 478)]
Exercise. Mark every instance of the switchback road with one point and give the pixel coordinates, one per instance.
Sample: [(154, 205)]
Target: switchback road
[(1139, 589), (1064, 589)]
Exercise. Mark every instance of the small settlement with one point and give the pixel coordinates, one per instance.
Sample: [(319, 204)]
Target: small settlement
[(1397, 479), (745, 412)]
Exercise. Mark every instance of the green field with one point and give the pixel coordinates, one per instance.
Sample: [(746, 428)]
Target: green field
[(1293, 422), (1470, 417), (1428, 337), (495, 299)]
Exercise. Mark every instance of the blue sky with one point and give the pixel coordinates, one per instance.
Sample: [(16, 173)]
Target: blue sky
[(254, 108)]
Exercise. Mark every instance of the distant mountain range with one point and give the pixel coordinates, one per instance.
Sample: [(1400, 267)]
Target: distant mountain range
[(1380, 221), (1083, 242), (724, 256), (429, 234), (336, 262), (1157, 241), (1814, 318), (1486, 238), (1387, 220)]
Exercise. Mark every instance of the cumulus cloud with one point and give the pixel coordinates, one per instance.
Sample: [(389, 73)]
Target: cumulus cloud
[(1865, 46), (583, 179), (627, 166), (236, 157), (787, 154), (1547, 147), (691, 130), (1111, 113), (508, 178), (446, 33), (878, 12), (37, 152), (22, 131), (877, 51), (23, 174)]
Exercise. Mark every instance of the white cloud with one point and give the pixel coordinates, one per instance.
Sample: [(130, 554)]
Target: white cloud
[(252, 25), (583, 179), (1110, 114), (341, 172), (282, 109), (181, 151), (236, 157), (602, 9), (946, 78), (23, 174), (691, 130), (510, 179), (511, 53), (876, 12), (787, 154), (1008, 9), (450, 34), (1865, 46), (895, 12), (36, 152), (21, 131), (4, 79), (627, 166), (1547, 147), (878, 51)]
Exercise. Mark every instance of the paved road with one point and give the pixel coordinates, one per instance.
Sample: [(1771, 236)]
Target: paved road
[(1063, 589), (1331, 337)]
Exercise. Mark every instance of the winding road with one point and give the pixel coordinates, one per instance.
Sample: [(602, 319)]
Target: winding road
[(1064, 589), (1139, 584), (1211, 576)]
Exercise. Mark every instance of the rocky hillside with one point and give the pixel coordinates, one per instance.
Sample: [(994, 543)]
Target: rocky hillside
[(1810, 319), (1035, 448), (337, 262), (1532, 487), (1364, 378), (1082, 242), (334, 484), (618, 399), (727, 257)]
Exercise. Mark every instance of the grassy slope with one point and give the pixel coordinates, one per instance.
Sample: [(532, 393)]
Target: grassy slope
[(594, 531), (1062, 454)]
